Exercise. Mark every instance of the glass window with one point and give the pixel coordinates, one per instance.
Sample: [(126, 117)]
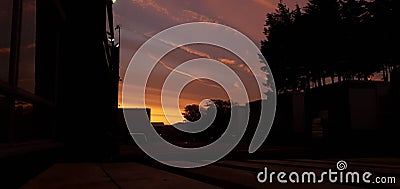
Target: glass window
[(23, 121), (3, 119), (5, 33), (26, 77), (32, 121)]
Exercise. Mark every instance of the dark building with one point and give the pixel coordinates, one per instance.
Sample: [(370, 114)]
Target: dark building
[(70, 104), (157, 124), (123, 132), (348, 115)]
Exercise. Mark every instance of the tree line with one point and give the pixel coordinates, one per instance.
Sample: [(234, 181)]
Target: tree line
[(329, 41)]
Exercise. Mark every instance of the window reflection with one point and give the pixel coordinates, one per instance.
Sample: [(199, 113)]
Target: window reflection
[(32, 121), (3, 119), (5, 33), (23, 121), (26, 77), (23, 117)]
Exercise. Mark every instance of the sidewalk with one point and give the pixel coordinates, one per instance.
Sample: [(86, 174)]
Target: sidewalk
[(109, 176), (136, 170)]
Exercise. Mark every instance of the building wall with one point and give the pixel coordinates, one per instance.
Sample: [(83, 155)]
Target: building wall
[(363, 109)]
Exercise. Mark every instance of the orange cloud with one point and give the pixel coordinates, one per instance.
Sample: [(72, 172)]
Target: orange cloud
[(199, 53), (170, 68), (189, 15), (245, 68), (227, 61), (195, 52), (179, 16), (151, 4), (183, 73), (187, 49), (266, 3)]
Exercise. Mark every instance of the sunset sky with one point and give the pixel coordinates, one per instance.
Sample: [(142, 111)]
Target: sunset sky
[(141, 19)]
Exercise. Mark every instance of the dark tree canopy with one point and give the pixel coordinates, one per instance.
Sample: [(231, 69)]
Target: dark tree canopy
[(331, 40), (192, 112), (219, 124)]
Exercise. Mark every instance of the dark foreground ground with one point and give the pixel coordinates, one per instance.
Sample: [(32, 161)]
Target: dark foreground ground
[(134, 169)]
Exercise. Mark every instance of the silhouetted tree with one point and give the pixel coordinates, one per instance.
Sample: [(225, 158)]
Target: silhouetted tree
[(222, 106), (384, 27), (192, 112), (358, 52), (335, 39), (276, 47), (221, 121)]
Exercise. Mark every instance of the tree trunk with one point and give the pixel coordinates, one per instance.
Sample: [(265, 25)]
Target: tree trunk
[(385, 74), (319, 81), (365, 77)]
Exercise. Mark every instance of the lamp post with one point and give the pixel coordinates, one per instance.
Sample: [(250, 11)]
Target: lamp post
[(114, 54), (113, 49)]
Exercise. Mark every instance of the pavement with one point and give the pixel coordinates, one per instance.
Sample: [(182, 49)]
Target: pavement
[(136, 172), (109, 176)]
